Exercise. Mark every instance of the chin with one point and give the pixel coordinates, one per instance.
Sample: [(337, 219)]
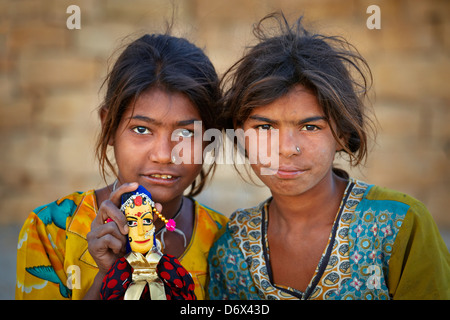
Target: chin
[(290, 188)]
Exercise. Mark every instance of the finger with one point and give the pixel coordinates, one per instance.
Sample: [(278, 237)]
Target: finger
[(106, 211), (124, 188), (115, 198), (107, 229), (109, 209), (112, 243), (106, 250), (111, 214), (103, 244)]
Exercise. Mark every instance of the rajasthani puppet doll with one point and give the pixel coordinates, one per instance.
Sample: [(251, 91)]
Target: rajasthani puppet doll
[(144, 272)]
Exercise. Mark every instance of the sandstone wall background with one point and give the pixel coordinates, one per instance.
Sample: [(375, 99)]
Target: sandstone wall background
[(50, 80)]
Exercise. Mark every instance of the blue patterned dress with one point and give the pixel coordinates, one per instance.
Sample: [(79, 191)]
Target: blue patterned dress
[(383, 245)]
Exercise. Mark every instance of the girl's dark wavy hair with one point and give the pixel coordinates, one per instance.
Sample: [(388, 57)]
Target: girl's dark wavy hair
[(159, 61), (329, 66)]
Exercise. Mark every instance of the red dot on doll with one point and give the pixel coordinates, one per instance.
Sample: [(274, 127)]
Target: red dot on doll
[(175, 293), (113, 296), (181, 271), (138, 201), (124, 276), (178, 283), (112, 283), (165, 275), (168, 265), (122, 265)]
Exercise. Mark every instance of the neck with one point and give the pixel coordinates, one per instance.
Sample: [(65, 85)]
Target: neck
[(173, 207), (171, 210)]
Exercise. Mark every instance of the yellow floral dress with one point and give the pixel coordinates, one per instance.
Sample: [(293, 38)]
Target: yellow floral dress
[(53, 261)]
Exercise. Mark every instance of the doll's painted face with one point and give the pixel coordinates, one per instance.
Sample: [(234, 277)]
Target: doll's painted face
[(140, 222)]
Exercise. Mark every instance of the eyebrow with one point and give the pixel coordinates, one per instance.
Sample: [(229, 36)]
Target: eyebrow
[(299, 122), (180, 123), (142, 216)]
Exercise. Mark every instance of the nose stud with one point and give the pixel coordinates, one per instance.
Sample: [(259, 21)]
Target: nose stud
[(297, 148)]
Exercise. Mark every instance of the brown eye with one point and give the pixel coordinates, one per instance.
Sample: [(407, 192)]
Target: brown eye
[(310, 127), (265, 127), (141, 130)]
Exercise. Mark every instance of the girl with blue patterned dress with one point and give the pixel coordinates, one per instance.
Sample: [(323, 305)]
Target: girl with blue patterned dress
[(322, 234)]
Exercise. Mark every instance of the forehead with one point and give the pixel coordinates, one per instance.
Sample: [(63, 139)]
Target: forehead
[(297, 104), (163, 106), (138, 211)]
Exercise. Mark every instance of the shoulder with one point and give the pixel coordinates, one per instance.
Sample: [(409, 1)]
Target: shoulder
[(419, 261), (417, 215), (247, 216), (239, 219), (214, 216), (395, 201), (385, 194), (386, 214), (59, 212), (407, 214), (243, 223)]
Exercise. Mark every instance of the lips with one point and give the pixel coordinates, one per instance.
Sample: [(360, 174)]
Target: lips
[(144, 241), (289, 172)]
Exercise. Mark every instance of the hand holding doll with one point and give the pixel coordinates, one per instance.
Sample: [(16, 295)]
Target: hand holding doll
[(145, 272)]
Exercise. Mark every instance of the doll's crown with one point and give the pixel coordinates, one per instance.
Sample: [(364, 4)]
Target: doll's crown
[(137, 199)]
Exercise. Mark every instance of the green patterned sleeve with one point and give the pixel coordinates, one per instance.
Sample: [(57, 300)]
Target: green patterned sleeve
[(419, 267), (229, 275)]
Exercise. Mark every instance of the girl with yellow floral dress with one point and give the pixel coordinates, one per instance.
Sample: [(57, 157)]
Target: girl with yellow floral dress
[(157, 89)]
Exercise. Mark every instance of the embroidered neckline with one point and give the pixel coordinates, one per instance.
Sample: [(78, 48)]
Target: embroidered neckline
[(323, 262)]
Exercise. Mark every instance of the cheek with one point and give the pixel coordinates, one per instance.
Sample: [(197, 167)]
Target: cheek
[(148, 229), (188, 150), (323, 155), (132, 234), (122, 151), (129, 158), (192, 171)]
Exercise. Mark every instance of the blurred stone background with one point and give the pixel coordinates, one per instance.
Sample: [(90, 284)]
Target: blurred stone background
[(50, 80)]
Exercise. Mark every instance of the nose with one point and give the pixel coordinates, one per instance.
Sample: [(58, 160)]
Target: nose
[(161, 149), (140, 228), (288, 143)]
